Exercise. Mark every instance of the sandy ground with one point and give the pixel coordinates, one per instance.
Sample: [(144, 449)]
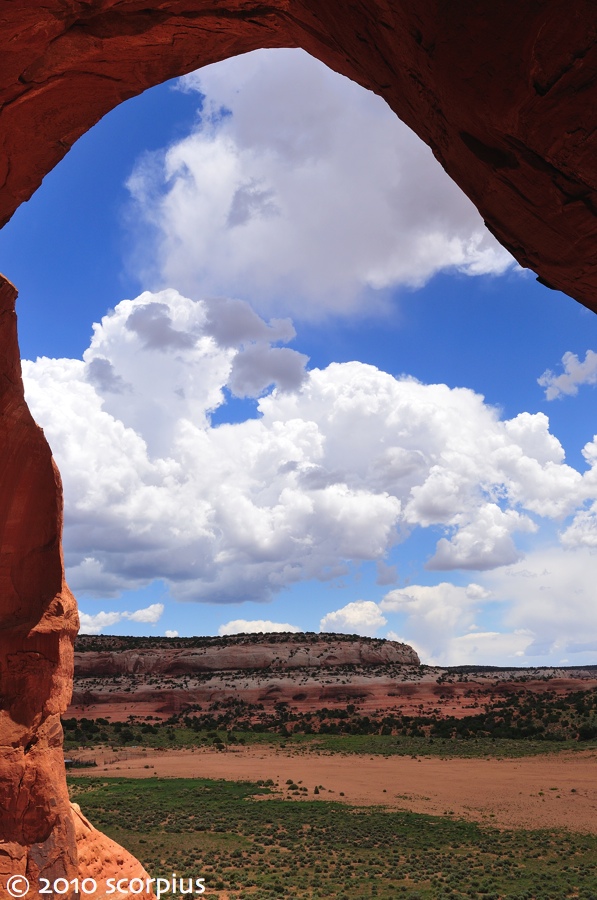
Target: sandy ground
[(555, 791)]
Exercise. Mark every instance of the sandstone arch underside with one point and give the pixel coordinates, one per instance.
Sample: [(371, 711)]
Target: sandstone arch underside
[(505, 93)]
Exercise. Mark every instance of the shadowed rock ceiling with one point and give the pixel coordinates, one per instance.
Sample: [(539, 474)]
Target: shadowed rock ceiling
[(504, 93)]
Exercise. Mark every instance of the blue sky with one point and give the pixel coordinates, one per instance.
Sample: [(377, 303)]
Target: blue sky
[(319, 405)]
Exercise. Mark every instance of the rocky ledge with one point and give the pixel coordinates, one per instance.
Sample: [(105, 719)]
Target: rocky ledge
[(109, 656)]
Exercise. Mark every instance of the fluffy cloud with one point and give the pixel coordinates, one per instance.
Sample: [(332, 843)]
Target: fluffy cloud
[(484, 543), (300, 191), (439, 621), (475, 647), (341, 464), (95, 624), (152, 614), (433, 616), (537, 612), (489, 648), (255, 626), (360, 617), (551, 595), (575, 373), (582, 531)]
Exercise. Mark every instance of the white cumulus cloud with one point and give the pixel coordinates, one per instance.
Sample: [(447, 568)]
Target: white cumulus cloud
[(551, 595), (440, 622), (95, 624), (340, 465), (541, 612), (150, 614), (255, 626), (299, 191), (359, 617), (433, 615), (490, 648), (575, 373)]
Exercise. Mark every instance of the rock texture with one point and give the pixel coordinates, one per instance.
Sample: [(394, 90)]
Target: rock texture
[(99, 855), (162, 677), (505, 94), (38, 623), (381, 683), (242, 652)]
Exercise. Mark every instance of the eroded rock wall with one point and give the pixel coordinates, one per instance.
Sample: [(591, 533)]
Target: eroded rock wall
[(38, 623), (240, 654), (41, 833)]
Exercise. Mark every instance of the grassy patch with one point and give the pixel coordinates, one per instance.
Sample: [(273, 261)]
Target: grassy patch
[(391, 745), (179, 736), (518, 723), (280, 850)]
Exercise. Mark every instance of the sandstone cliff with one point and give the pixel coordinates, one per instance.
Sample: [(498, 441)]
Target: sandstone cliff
[(238, 653), (38, 623), (41, 835)]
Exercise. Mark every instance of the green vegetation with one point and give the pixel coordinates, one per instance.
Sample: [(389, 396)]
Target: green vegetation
[(527, 714), (83, 734), (518, 723), (98, 643), (279, 849), (254, 842)]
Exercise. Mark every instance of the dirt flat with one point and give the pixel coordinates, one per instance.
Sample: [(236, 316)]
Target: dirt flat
[(552, 791)]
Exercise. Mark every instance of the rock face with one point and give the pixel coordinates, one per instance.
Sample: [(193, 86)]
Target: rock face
[(504, 94), (41, 834), (38, 623), (305, 669), (374, 682), (242, 653), (99, 855)]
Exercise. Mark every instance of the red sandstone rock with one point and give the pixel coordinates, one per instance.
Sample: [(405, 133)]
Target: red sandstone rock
[(101, 858), (38, 623), (505, 94), (376, 690)]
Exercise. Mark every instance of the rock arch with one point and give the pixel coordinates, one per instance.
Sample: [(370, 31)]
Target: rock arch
[(504, 93)]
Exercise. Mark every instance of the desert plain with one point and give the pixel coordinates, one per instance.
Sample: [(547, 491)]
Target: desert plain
[(492, 767)]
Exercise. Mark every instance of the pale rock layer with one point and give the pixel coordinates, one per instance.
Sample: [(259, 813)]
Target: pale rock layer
[(234, 654)]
